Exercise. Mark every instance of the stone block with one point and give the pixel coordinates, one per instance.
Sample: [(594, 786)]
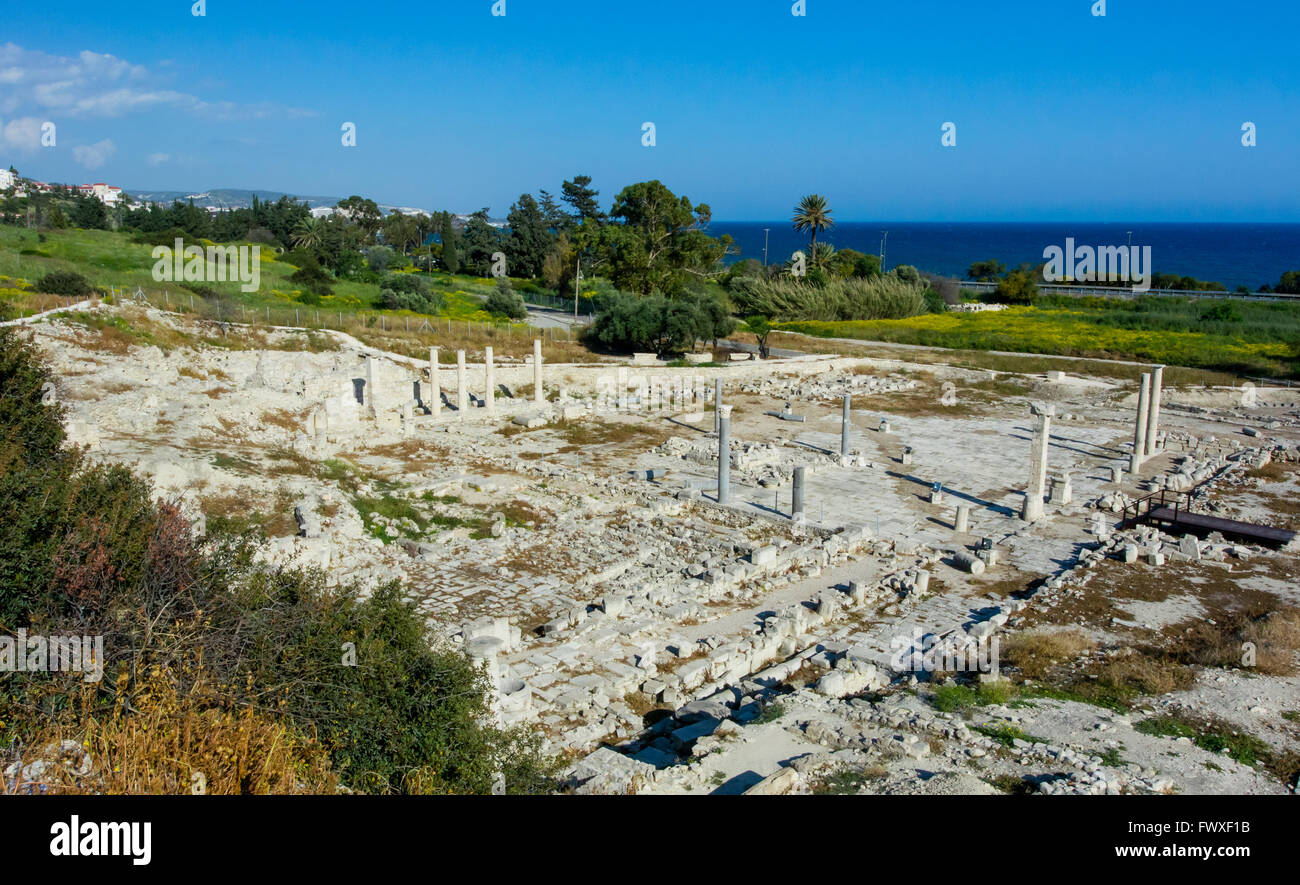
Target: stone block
[(685, 736), (778, 783)]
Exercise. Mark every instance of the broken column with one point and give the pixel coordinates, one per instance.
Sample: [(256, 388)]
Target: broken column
[(844, 429), (435, 388), (961, 525), (1033, 506), (1153, 415), (1063, 489), (537, 371), (372, 379), (490, 382), (320, 424), (1140, 430), (796, 496), (462, 392), (724, 454)]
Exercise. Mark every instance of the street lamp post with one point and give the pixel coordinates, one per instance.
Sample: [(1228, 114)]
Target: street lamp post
[(884, 241), (577, 279), (766, 232)]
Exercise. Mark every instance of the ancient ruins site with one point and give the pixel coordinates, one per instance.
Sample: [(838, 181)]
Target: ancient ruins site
[(901, 576)]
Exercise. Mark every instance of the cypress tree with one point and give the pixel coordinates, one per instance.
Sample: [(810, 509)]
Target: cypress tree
[(450, 258)]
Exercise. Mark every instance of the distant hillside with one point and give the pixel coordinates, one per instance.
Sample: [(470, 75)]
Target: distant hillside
[(224, 198)]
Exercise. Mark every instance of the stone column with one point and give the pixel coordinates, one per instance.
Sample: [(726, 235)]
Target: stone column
[(537, 371), (1153, 417), (796, 497), (724, 454), (490, 382), (961, 525), (717, 403), (1033, 506), (435, 387), (1140, 430), (372, 396), (844, 429), (462, 393)]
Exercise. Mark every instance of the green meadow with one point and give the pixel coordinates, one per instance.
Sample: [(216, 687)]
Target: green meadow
[(1241, 337), (111, 259)]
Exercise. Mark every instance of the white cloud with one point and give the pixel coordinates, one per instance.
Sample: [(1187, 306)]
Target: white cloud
[(92, 156), (157, 159), (22, 134), (101, 85)]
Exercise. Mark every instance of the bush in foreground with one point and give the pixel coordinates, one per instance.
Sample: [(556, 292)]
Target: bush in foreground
[(256, 677)]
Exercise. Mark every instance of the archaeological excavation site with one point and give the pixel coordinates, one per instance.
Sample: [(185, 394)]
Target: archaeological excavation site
[(860, 569)]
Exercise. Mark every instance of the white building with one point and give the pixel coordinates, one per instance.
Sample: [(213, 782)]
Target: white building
[(106, 193), (7, 179)]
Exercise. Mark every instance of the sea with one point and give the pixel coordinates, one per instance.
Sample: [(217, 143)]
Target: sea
[(1244, 254)]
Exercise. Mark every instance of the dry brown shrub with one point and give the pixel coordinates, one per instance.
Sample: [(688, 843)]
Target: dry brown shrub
[(1036, 654), (173, 743)]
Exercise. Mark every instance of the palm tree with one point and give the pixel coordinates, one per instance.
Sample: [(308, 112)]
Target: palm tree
[(813, 214), (309, 233)]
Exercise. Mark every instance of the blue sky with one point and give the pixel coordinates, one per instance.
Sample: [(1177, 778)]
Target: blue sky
[(1059, 114)]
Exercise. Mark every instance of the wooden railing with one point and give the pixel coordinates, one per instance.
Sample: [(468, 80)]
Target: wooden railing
[(1181, 501)]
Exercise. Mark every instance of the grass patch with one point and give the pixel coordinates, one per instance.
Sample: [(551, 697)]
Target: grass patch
[(960, 698), (1212, 735), (769, 713), (850, 781), (233, 463), (233, 515), (1010, 784), (391, 509), (1006, 734)]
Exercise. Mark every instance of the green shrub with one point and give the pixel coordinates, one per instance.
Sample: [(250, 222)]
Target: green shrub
[(35, 481), (62, 282), (873, 298), (659, 324), (505, 302), (312, 277)]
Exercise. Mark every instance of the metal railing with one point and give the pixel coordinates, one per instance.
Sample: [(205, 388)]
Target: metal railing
[(1182, 502)]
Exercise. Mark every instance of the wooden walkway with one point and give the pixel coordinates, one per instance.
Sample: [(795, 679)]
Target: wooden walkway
[(1178, 520)]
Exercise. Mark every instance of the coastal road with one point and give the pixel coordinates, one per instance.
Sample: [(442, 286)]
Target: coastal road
[(552, 318)]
